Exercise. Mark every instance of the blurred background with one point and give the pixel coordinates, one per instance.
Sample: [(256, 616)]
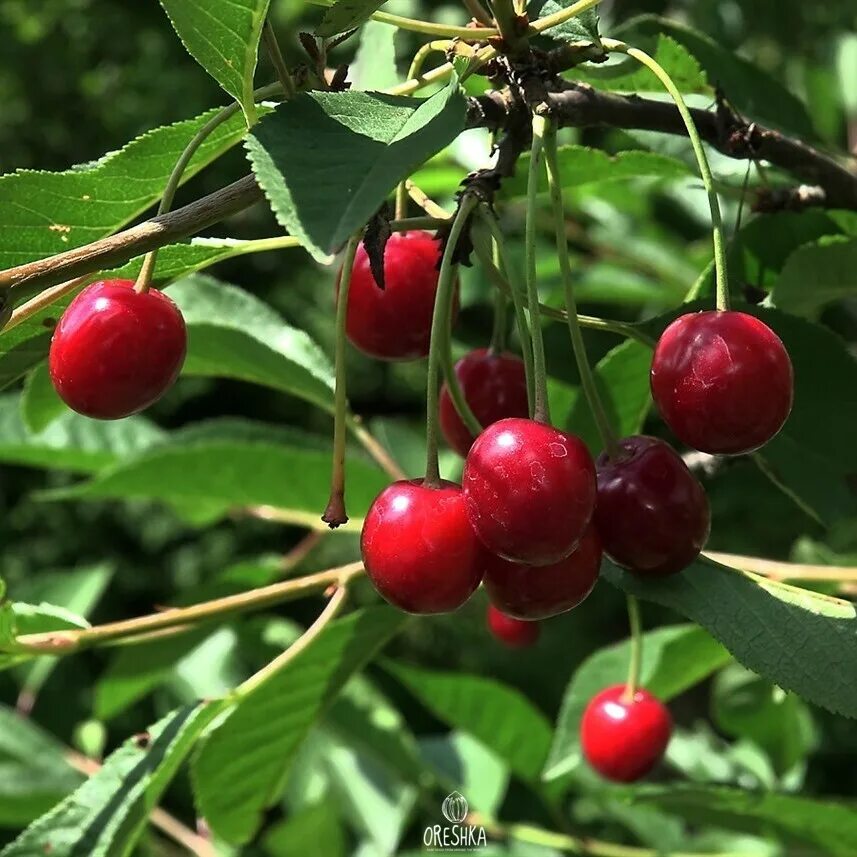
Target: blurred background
[(79, 78)]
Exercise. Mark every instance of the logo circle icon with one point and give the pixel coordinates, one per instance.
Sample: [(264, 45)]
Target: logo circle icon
[(454, 808)]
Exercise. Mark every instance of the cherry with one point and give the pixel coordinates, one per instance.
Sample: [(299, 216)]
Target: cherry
[(515, 633), (537, 592), (652, 513), (722, 381), (116, 351), (394, 323), (495, 386), (624, 739), (530, 490), (419, 548)]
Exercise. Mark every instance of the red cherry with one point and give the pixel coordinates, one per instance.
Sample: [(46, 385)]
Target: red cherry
[(530, 490), (624, 739), (515, 633), (394, 323), (722, 381), (495, 386), (419, 548), (537, 592), (652, 513), (116, 351)]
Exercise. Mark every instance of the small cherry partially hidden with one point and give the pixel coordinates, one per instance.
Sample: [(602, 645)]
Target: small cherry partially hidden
[(116, 351), (722, 381), (624, 739), (495, 387), (419, 549), (652, 514), (512, 632), (538, 592), (530, 490), (394, 323)]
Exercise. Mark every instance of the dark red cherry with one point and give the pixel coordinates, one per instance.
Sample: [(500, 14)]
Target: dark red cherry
[(495, 386), (530, 490), (537, 592), (515, 633), (722, 381), (116, 351), (419, 548), (624, 739), (394, 323), (651, 513)]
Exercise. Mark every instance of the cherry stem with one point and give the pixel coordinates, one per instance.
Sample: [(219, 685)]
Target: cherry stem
[(587, 378), (439, 334), (335, 514), (720, 266), (515, 288), (444, 31), (479, 12), (501, 314), (541, 408), (453, 387), (636, 650), (272, 46), (144, 278)]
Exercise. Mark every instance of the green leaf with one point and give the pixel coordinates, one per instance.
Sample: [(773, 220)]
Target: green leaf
[(580, 165), (43, 213), (71, 442), (239, 769), (40, 404), (223, 37), (581, 29), (314, 829), (674, 658), (816, 275), (233, 334), (345, 15), (628, 75), (752, 90), (34, 774), (229, 463), (759, 620), (363, 145), (107, 814), (501, 717), (828, 826), (374, 66)]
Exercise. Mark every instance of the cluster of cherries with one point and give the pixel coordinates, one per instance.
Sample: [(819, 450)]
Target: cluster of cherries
[(534, 512)]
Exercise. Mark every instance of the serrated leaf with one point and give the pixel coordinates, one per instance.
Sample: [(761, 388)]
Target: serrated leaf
[(238, 771), (501, 717), (581, 29), (34, 774), (363, 145), (233, 334), (223, 37), (827, 825), (580, 165), (232, 463), (71, 442), (816, 275), (374, 66), (40, 404), (759, 620), (345, 15), (674, 658), (107, 814)]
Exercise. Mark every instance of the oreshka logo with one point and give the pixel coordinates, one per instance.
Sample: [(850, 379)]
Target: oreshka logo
[(456, 836)]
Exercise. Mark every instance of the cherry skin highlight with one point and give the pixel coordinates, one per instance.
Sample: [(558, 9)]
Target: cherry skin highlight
[(116, 351), (530, 490), (394, 323), (510, 631), (495, 387), (722, 381), (624, 739), (652, 514), (538, 592), (419, 548)]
